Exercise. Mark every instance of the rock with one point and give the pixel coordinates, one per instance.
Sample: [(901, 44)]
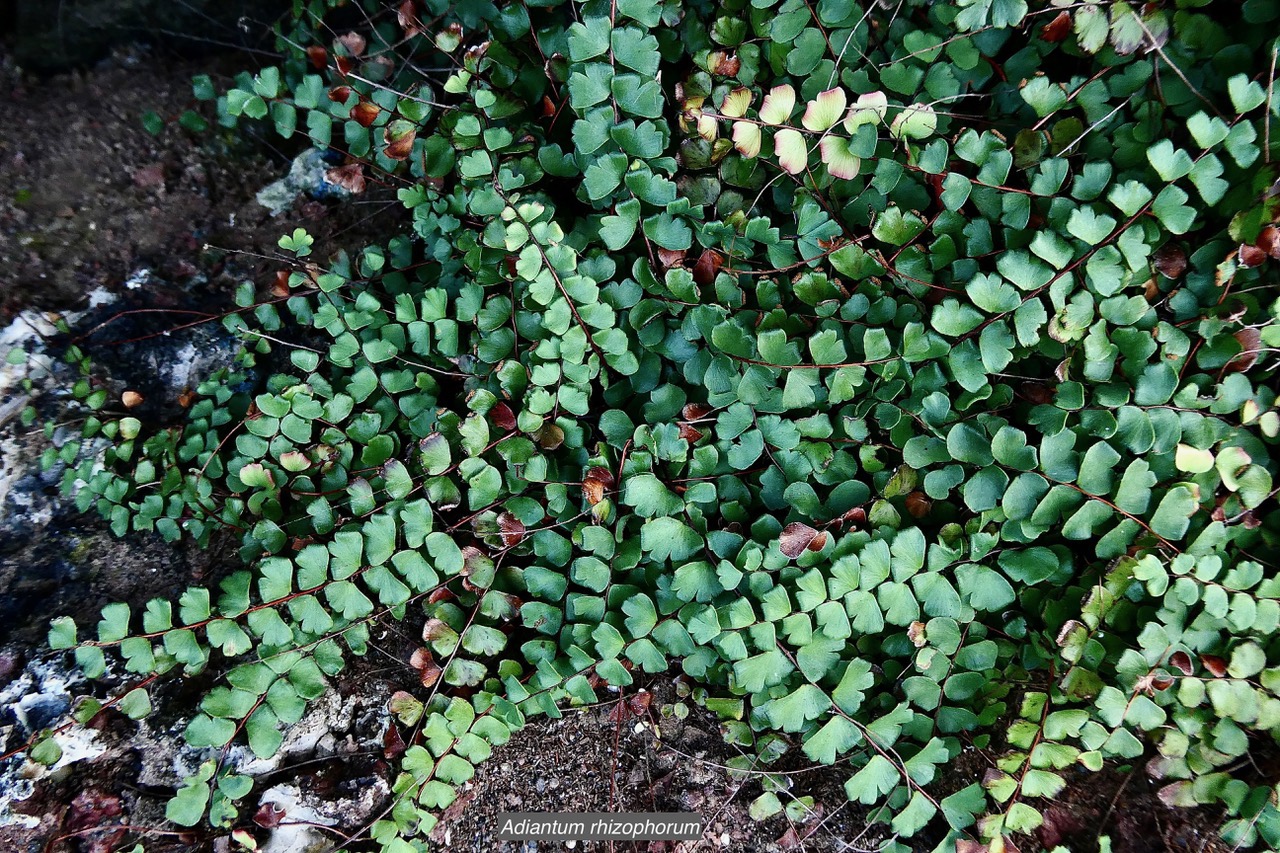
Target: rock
[(38, 699), (307, 176), (295, 832), (49, 556)]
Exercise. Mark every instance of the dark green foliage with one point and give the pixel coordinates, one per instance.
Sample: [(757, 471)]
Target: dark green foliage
[(900, 377)]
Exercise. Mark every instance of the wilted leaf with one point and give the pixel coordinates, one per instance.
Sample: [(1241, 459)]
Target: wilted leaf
[(353, 42), (1170, 260), (350, 177), (511, 529), (798, 537)]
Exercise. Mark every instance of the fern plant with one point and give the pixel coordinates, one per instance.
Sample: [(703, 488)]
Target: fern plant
[(902, 375)]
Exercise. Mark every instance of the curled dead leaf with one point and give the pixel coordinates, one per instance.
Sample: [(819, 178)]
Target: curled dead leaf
[(434, 629), (603, 474), (344, 64), (797, 537), (318, 57), (1071, 626), (339, 94), (854, 516), (1181, 661), (1037, 392), (131, 399)]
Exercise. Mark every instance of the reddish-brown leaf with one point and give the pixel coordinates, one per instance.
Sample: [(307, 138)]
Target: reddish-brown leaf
[(695, 411), (131, 399), (399, 147), (1170, 260), (350, 177), (502, 417), (918, 504), (1269, 241), (709, 263), (797, 537), (550, 437), (280, 286), (1037, 392), (426, 666), (392, 744), (434, 629), (511, 529), (639, 702), (353, 42), (407, 17), (345, 64), (593, 489), (724, 64), (601, 473), (1181, 661), (857, 515), (339, 94), (1251, 256), (1216, 665), (1057, 29), (366, 113), (318, 57), (269, 816), (690, 433), (669, 258), (1250, 340)]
